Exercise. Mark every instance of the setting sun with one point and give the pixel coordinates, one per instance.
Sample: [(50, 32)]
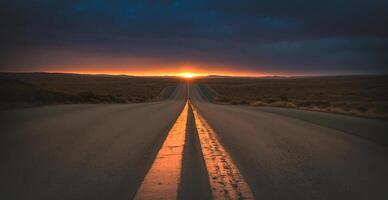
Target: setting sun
[(187, 75)]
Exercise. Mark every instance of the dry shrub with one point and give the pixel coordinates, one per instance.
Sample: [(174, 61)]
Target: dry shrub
[(354, 95)]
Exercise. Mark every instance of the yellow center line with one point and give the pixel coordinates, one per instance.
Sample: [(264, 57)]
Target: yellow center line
[(225, 179), (162, 180)]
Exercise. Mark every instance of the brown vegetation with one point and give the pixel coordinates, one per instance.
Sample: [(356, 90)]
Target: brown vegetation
[(355, 95), (46, 88)]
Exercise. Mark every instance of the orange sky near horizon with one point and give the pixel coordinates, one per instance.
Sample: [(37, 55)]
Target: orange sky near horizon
[(163, 72), (66, 61), (84, 63), (156, 70), (149, 70)]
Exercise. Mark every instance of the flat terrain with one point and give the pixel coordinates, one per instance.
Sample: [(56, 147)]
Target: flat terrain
[(352, 95), (47, 88), (106, 151), (303, 155)]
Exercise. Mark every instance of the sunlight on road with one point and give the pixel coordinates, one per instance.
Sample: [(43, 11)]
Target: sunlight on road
[(225, 179), (163, 178)]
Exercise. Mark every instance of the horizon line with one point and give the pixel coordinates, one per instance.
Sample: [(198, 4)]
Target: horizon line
[(195, 75)]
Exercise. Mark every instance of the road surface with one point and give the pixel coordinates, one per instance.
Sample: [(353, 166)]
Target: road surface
[(82, 151), (189, 150), (288, 154)]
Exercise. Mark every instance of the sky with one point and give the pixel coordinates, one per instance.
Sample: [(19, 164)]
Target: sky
[(165, 37)]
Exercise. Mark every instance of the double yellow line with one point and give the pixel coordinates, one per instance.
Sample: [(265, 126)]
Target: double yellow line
[(163, 179)]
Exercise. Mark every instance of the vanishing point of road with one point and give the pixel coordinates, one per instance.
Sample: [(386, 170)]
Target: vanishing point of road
[(188, 148)]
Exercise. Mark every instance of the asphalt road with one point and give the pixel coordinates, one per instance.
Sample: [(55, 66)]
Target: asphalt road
[(290, 154), (106, 151), (82, 151)]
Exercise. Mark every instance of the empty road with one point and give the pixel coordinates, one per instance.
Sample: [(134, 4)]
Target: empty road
[(289, 154), (82, 151), (189, 149)]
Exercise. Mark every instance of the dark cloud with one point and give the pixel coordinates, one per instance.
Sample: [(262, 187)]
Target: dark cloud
[(274, 35)]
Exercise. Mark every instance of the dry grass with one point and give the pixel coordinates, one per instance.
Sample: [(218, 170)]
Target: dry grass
[(44, 88), (365, 96)]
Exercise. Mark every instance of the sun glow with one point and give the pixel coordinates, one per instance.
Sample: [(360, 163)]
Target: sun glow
[(187, 75)]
